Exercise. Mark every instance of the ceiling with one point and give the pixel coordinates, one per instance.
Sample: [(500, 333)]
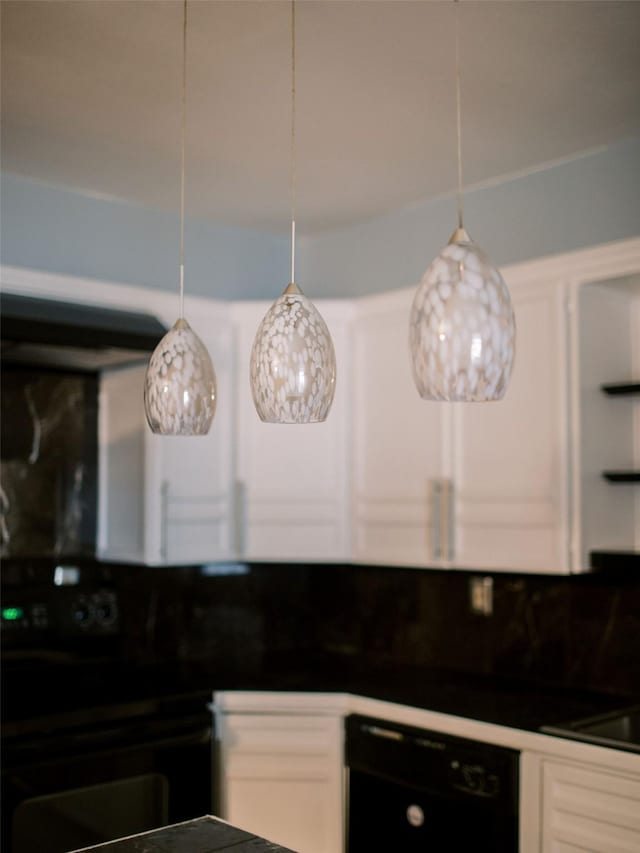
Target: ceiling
[(91, 99)]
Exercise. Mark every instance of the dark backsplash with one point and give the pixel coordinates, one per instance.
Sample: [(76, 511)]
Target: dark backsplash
[(49, 463), (579, 632), (567, 631)]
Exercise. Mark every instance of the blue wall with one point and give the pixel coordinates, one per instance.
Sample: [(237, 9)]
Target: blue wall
[(579, 203), (582, 202), (56, 230)]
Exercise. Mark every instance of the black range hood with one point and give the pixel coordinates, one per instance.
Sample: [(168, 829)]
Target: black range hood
[(48, 333)]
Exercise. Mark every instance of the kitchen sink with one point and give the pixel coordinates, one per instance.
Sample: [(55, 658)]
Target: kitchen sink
[(618, 729)]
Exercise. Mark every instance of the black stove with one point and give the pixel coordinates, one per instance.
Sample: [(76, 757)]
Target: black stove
[(98, 742)]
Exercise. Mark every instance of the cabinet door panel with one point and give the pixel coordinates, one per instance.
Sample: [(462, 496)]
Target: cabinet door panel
[(295, 477), (510, 457), (121, 441), (189, 479), (399, 440), (588, 809), (282, 778)]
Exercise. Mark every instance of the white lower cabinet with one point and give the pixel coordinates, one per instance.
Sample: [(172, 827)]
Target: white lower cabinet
[(586, 808), (281, 773), (281, 776)]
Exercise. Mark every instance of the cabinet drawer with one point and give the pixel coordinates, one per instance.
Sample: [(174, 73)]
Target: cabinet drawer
[(590, 810), (281, 733)]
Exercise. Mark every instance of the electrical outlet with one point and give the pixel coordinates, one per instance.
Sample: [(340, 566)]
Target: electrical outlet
[(481, 595)]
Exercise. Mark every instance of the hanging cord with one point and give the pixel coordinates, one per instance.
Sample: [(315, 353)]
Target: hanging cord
[(293, 140), (459, 113), (183, 132)]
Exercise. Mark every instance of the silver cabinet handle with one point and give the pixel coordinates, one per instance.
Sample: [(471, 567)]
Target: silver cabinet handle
[(239, 515), (164, 518), (447, 530), (436, 521)]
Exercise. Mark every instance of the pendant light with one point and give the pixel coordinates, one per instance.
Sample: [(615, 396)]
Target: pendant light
[(462, 326), (180, 382), (293, 364)]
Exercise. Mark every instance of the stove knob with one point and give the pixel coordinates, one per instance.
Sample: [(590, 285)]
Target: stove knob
[(106, 610), (82, 613)]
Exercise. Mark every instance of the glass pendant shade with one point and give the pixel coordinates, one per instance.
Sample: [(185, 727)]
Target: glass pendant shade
[(293, 363), (462, 326), (180, 392)]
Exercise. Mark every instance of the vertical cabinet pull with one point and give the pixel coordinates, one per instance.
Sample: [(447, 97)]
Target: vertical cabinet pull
[(435, 518), (442, 519), (164, 518), (239, 513), (447, 533)]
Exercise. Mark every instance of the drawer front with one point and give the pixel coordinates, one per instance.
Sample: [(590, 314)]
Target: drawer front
[(585, 809)]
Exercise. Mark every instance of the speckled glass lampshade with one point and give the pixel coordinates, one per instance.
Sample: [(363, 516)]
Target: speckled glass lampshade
[(462, 326), (180, 390), (293, 364)]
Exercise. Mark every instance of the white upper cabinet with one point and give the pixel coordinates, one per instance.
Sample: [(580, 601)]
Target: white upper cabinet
[(462, 484), (160, 499), (510, 458), (514, 485), (167, 499), (293, 479), (399, 442), (188, 480)]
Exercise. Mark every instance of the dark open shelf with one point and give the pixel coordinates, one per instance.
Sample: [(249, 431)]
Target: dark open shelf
[(621, 389), (614, 560), (622, 476)]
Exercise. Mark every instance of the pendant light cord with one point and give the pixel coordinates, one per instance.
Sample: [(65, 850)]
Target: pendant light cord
[(458, 113), (293, 140), (183, 134)]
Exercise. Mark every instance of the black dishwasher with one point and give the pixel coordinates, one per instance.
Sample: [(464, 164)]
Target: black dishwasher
[(412, 790)]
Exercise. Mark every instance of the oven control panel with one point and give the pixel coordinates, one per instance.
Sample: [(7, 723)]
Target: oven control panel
[(19, 617), (65, 612)]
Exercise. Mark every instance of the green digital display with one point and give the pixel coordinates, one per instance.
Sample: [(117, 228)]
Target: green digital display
[(12, 614)]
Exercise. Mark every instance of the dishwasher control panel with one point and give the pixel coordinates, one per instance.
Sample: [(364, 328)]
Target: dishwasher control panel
[(474, 778)]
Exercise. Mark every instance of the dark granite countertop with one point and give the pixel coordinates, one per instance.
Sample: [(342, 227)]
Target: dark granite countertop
[(502, 701), (203, 835)]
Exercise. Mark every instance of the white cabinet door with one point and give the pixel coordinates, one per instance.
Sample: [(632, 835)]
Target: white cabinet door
[(399, 442), (167, 500), (281, 778), (188, 489), (510, 458), (121, 461), (294, 478), (466, 484), (589, 810)]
